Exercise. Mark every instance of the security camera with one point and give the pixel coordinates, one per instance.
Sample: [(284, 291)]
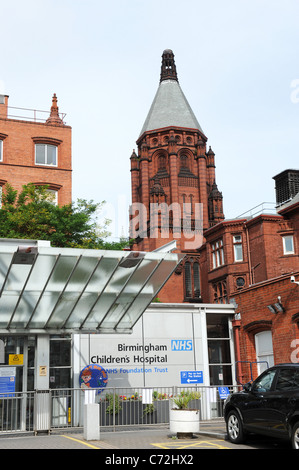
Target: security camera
[(293, 280)]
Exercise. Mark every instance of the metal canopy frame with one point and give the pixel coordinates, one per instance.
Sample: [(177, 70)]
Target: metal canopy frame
[(63, 290)]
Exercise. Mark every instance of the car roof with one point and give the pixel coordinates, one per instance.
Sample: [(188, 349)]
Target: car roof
[(287, 364)]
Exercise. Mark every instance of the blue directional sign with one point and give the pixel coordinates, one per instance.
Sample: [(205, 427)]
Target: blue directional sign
[(223, 392), (191, 377)]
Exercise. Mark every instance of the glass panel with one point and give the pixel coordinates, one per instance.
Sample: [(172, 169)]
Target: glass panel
[(51, 154), (76, 284), (24, 310), (81, 310), (5, 260), (44, 309), (40, 154), (196, 280), (188, 286), (129, 292), (288, 244), (220, 374), (7, 305), (219, 351), (286, 379), (264, 342), (217, 325), (12, 345), (60, 378), (60, 352), (92, 291), (264, 384), (61, 273), (147, 294), (17, 277), (53, 290), (238, 252), (41, 272)]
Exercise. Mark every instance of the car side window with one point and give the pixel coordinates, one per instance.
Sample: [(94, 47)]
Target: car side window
[(265, 382), (286, 380)]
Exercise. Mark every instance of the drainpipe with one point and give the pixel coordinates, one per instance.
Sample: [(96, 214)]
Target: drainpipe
[(236, 323), (248, 254)]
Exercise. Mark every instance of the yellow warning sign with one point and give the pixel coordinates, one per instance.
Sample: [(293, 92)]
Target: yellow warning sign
[(16, 359)]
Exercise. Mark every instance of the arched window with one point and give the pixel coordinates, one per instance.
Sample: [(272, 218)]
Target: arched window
[(192, 280), (220, 292), (184, 161), (161, 162)]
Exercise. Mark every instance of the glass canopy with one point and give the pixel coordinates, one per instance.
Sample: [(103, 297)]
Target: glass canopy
[(51, 290)]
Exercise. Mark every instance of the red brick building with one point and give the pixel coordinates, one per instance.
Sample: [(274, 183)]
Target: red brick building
[(36, 151), (248, 260)]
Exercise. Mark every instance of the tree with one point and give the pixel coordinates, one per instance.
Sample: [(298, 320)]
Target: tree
[(31, 214)]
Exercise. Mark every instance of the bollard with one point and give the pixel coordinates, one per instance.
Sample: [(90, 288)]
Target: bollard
[(91, 417)]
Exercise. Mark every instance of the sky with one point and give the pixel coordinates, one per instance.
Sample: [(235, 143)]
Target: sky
[(237, 64)]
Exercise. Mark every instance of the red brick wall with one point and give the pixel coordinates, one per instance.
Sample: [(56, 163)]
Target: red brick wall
[(18, 166), (256, 317)]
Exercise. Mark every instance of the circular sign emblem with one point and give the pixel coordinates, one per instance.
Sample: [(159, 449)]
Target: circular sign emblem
[(93, 376)]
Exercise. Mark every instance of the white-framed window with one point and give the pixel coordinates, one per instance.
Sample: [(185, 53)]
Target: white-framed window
[(53, 196), (217, 253), (1, 150), (264, 350), (288, 245), (238, 249), (46, 154)]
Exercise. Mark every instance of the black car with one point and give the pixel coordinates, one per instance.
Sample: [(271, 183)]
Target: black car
[(269, 406)]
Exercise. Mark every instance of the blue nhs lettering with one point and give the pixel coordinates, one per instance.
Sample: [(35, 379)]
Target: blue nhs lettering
[(181, 345)]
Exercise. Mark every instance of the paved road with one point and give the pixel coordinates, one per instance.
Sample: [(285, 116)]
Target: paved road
[(155, 440)]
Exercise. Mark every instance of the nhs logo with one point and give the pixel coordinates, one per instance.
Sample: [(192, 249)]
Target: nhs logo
[(181, 345)]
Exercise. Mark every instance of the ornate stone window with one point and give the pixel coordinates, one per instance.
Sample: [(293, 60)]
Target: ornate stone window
[(192, 280), (220, 292)]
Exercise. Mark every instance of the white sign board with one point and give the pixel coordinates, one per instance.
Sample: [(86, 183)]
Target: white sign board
[(162, 345)]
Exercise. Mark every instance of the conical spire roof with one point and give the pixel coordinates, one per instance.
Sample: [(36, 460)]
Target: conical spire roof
[(170, 106)]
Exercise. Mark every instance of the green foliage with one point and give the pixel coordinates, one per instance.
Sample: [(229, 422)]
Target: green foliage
[(182, 400), (113, 403), (148, 409), (31, 214)]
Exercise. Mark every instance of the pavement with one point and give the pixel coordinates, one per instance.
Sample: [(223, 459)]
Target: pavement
[(212, 435)]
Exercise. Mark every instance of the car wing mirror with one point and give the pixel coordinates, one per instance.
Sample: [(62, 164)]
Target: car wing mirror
[(247, 387)]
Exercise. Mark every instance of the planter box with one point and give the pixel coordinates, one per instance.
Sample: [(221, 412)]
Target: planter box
[(184, 421), (160, 414), (133, 412), (130, 412)]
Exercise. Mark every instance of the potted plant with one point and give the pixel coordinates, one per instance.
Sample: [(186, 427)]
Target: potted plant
[(183, 420)]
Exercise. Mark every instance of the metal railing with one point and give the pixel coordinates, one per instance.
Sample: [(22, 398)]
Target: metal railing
[(27, 114), (262, 208), (54, 409)]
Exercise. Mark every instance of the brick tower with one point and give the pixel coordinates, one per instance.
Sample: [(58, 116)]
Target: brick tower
[(174, 191)]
